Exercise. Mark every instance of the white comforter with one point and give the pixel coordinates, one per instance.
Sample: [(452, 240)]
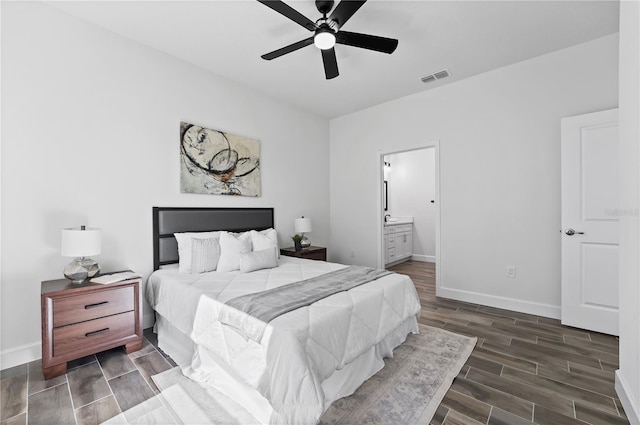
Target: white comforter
[(300, 349)]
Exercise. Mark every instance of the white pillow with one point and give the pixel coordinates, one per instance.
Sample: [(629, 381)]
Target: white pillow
[(265, 239), (184, 247), (205, 254), (231, 245), (257, 260)]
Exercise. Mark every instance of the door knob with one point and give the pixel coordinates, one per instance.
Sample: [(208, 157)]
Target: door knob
[(572, 232)]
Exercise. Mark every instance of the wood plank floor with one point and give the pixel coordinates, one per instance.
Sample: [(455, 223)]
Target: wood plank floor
[(525, 369)]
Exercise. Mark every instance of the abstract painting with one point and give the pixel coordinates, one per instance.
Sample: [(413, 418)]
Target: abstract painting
[(218, 163)]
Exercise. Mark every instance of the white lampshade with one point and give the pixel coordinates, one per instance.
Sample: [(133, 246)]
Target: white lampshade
[(302, 225), (81, 242)]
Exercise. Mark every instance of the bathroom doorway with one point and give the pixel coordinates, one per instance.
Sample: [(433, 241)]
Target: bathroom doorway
[(409, 226)]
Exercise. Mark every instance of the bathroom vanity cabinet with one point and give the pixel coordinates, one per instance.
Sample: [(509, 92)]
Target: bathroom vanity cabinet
[(398, 241)]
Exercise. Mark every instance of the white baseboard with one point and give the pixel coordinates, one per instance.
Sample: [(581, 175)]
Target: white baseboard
[(20, 355), (424, 258), (631, 407), (30, 352), (538, 309)]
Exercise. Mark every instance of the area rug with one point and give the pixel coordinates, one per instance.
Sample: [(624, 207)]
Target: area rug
[(406, 391), (410, 387)]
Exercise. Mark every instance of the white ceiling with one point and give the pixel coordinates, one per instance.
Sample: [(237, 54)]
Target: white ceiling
[(466, 37)]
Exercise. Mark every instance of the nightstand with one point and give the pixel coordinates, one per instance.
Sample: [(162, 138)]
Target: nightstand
[(83, 319), (311, 253)]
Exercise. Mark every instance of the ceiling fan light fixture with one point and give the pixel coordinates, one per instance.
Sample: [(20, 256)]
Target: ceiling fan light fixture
[(324, 39), (326, 30)]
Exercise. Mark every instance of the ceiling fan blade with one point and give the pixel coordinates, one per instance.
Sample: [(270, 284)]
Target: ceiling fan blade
[(366, 41), (330, 63), (344, 10), (287, 49), (289, 12)]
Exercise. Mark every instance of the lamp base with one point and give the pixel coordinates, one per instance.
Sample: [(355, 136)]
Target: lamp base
[(305, 242), (81, 269)]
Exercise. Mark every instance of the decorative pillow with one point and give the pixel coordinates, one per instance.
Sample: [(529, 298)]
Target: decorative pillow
[(205, 254), (231, 245), (257, 260), (184, 247), (265, 239)]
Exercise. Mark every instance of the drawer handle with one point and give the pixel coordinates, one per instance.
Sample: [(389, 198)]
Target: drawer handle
[(94, 333), (90, 306)]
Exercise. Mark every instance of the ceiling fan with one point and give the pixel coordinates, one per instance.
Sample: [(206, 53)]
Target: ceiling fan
[(328, 31)]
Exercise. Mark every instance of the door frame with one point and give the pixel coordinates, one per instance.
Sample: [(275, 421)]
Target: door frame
[(380, 199)]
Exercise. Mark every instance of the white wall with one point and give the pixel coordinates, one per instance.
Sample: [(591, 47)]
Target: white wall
[(499, 136), (411, 189), (628, 376), (90, 135)]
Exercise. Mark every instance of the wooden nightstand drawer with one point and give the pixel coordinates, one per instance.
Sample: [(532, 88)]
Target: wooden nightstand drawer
[(91, 306), (68, 339), (316, 255)]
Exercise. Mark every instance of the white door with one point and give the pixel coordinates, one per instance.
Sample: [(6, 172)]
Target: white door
[(589, 162)]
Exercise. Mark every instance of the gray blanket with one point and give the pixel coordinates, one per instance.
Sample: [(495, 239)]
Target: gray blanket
[(263, 307)]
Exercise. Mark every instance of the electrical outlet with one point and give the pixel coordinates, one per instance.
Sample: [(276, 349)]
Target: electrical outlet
[(511, 271), (353, 253)]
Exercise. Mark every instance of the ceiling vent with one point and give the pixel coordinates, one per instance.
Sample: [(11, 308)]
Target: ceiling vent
[(436, 76)]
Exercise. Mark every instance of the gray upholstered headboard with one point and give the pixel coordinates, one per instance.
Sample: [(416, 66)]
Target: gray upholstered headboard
[(170, 220)]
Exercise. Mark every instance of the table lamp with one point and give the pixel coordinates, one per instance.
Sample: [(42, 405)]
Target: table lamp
[(303, 225), (81, 242)]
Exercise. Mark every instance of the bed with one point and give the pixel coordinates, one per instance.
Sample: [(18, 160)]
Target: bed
[(302, 360)]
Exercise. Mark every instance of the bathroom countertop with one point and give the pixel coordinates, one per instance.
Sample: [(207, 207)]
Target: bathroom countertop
[(392, 221)]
